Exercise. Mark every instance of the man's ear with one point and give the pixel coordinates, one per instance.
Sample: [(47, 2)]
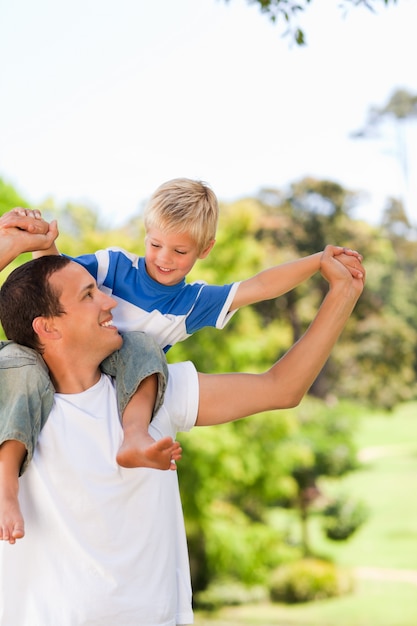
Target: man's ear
[(45, 328), (207, 250)]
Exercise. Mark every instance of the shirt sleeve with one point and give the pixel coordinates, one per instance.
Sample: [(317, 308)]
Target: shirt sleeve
[(180, 408), (212, 307), (90, 262)]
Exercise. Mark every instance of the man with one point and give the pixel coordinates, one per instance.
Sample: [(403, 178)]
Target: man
[(27, 394), (106, 545)]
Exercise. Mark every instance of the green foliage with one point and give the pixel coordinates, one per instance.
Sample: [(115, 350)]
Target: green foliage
[(328, 433), (382, 372), (307, 580), (246, 549), (9, 197), (228, 475), (231, 476), (343, 516), (228, 593), (321, 446)]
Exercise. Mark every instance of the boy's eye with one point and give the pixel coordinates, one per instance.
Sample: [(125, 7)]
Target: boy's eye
[(180, 252), (155, 245)]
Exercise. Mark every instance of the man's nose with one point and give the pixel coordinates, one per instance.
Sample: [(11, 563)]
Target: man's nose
[(107, 301)]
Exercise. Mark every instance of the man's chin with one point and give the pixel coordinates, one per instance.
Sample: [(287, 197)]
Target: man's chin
[(112, 346), (118, 342)]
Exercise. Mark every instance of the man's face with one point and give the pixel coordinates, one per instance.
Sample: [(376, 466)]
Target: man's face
[(86, 324)]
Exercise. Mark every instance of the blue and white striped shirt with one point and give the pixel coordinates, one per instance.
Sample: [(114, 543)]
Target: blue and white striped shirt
[(169, 313)]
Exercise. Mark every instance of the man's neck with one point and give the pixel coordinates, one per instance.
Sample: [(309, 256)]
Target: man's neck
[(72, 378)]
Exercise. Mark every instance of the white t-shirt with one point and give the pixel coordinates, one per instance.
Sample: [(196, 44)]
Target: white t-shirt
[(104, 545)]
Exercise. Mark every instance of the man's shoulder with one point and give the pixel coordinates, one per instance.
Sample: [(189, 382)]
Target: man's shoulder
[(14, 355), (180, 408)]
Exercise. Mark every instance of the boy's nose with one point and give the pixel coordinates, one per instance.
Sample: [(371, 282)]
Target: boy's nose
[(164, 257)]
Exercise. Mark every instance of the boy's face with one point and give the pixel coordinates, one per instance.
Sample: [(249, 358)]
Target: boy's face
[(170, 256)]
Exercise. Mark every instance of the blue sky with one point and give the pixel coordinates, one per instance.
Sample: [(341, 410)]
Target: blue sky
[(101, 101)]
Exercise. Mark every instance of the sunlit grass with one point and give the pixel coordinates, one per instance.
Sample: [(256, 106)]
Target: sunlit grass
[(374, 603)]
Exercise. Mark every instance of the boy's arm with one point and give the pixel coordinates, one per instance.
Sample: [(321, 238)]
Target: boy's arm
[(275, 281), (48, 251), (228, 397)]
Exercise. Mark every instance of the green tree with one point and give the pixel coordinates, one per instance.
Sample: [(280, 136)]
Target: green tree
[(232, 477), (312, 214), (321, 446), (9, 197)]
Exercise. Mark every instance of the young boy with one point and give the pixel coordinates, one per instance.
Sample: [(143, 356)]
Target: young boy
[(26, 391), (151, 292)]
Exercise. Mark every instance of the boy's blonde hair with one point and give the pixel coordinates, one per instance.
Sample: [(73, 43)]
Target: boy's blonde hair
[(184, 205)]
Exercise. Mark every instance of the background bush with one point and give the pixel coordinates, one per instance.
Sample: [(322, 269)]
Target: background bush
[(307, 580)]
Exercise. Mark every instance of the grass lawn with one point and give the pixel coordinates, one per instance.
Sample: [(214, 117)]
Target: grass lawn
[(385, 544), (372, 604), (388, 484)]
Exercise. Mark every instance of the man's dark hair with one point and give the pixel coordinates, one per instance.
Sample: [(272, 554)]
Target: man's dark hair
[(27, 294)]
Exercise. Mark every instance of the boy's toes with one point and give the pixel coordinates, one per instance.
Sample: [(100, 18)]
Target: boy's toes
[(18, 531)]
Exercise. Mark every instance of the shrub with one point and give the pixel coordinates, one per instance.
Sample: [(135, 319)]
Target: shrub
[(307, 580), (228, 593), (343, 517)]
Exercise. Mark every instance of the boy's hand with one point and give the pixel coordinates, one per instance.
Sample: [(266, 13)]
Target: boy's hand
[(336, 272), (25, 219), (351, 259), (27, 231)]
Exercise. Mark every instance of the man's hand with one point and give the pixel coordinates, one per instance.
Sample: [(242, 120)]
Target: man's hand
[(335, 271), (25, 219), (351, 259), (23, 230)]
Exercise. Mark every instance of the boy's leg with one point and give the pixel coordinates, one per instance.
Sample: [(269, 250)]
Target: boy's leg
[(140, 372), (139, 449), (26, 397), (139, 357)]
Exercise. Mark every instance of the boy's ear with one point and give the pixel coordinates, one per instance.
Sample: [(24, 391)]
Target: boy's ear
[(45, 328), (207, 250)]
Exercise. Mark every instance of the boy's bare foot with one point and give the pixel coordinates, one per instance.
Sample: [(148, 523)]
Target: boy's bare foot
[(142, 450), (11, 520)]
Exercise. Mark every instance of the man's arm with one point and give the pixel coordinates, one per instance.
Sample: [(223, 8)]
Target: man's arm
[(275, 281), (228, 397), (23, 233)]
